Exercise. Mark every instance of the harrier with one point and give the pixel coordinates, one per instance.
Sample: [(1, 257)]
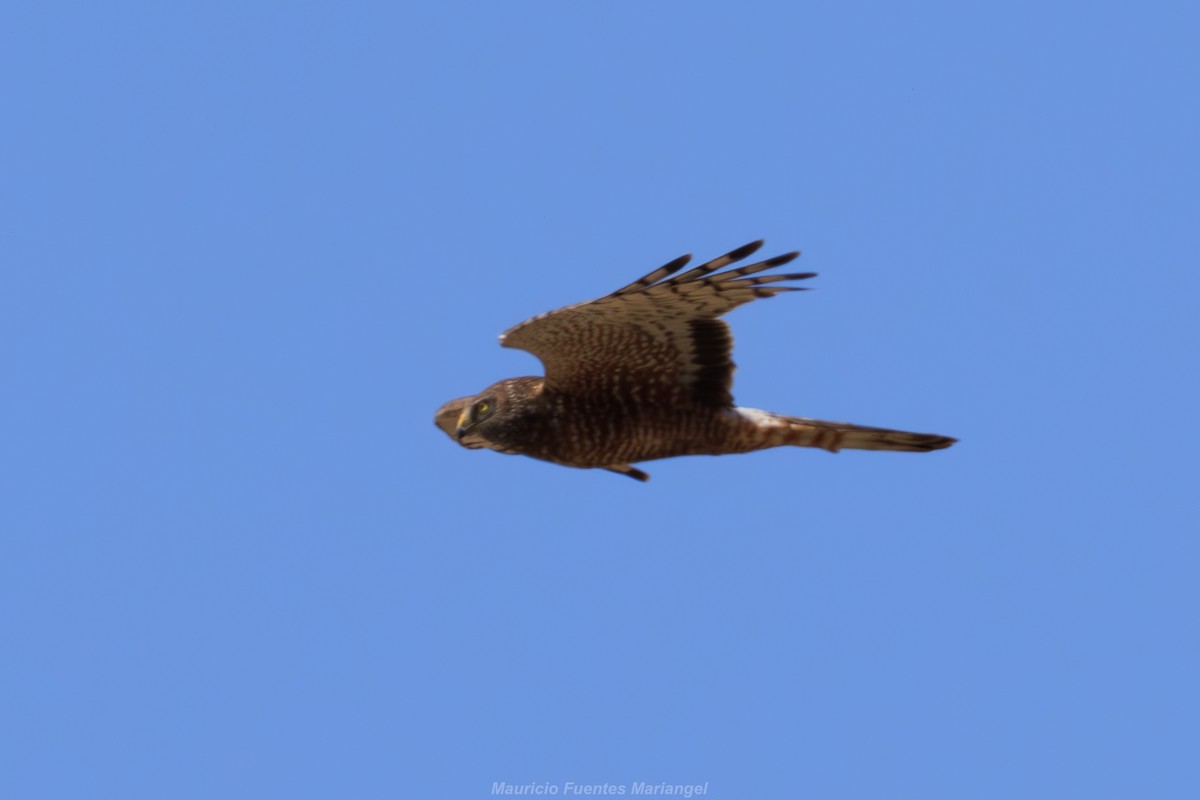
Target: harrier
[(645, 373)]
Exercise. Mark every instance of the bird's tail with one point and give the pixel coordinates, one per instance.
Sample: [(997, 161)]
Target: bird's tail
[(835, 436)]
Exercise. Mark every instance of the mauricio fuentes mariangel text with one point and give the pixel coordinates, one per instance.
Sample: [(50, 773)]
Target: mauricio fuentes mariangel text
[(572, 788)]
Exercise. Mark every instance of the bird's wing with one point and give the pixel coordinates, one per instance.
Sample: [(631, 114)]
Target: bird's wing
[(657, 340)]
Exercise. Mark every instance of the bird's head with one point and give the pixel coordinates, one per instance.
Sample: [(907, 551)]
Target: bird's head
[(486, 419)]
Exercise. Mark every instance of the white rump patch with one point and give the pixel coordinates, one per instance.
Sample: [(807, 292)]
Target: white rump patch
[(763, 419)]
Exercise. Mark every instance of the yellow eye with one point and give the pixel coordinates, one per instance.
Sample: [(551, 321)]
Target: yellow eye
[(482, 408)]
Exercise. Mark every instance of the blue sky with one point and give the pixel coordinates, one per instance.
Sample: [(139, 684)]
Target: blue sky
[(251, 247)]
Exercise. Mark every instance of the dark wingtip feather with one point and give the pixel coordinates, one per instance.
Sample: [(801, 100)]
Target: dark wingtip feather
[(673, 266), (771, 291), (745, 250), (759, 280), (776, 261), (670, 268)]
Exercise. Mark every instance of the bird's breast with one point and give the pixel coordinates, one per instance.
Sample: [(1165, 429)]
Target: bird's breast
[(588, 432)]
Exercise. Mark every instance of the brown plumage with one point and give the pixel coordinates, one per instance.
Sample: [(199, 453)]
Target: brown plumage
[(646, 373)]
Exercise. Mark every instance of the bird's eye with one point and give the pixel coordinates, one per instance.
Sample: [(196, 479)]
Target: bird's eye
[(482, 408)]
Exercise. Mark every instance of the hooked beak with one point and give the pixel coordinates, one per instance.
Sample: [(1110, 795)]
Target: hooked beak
[(461, 428)]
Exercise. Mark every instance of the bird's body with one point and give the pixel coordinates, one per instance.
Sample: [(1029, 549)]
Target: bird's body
[(645, 373)]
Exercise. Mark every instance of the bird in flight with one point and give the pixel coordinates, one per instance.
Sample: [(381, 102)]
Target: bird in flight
[(645, 373)]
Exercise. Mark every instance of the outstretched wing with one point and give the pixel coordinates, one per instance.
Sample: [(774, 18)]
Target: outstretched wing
[(657, 340)]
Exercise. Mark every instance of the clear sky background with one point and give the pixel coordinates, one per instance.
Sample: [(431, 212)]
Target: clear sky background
[(250, 247)]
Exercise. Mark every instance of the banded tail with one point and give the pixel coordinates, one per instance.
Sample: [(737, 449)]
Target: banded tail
[(835, 436)]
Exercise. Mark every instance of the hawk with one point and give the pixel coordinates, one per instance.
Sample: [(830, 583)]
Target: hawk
[(646, 373)]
